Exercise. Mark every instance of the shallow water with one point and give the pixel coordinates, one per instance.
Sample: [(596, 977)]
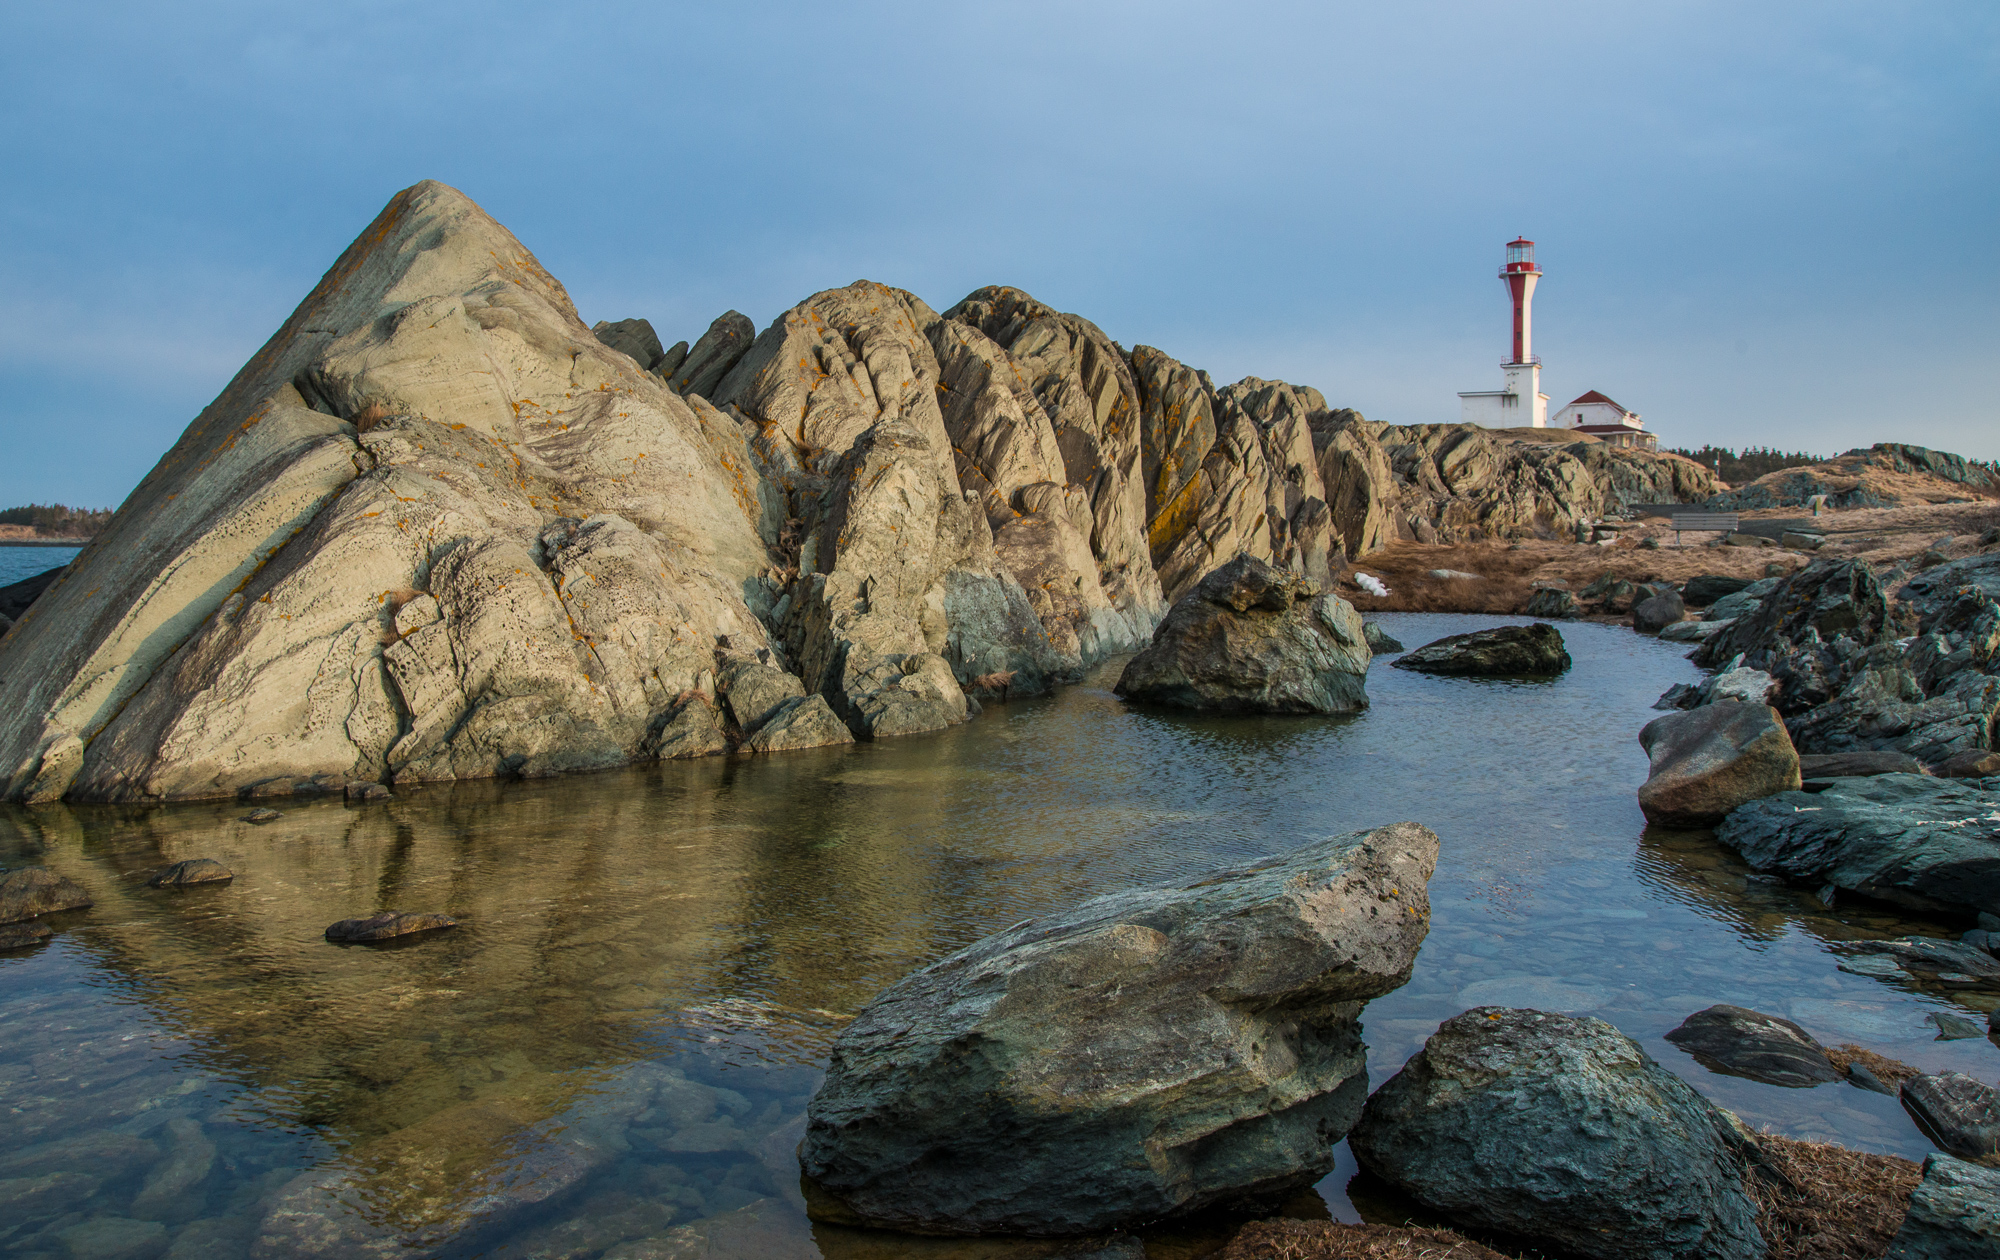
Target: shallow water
[(20, 563), (653, 962)]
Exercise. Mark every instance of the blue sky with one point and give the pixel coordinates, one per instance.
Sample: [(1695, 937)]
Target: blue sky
[(1761, 223)]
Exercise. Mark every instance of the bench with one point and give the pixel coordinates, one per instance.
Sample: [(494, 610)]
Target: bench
[(1726, 522)]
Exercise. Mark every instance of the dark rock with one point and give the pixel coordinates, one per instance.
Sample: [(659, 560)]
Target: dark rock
[(1960, 1114), (1730, 607), (386, 925), (1974, 763), (1506, 651), (1554, 605), (1954, 1214), (1953, 1027), (193, 871), (263, 816), (727, 340), (1928, 954), (1909, 839), (671, 361), (1702, 591), (1791, 633), (37, 890), (1380, 641), (634, 337), (16, 597), (1928, 592), (1143, 1054), (1560, 1131), (22, 935), (1856, 765), (367, 792), (1653, 615), (1250, 638), (1739, 1042), (1712, 759)]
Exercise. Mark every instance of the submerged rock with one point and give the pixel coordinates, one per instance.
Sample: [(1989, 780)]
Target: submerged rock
[(22, 935), (1253, 639), (1145, 1053), (191, 872), (1739, 1042), (36, 890), (1954, 1214), (1909, 839), (1535, 651), (1711, 759), (1960, 1114), (388, 924), (1558, 1129)]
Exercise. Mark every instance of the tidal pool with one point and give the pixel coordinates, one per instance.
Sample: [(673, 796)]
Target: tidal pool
[(612, 1055)]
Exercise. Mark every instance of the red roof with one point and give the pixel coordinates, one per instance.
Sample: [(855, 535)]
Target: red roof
[(1594, 397)]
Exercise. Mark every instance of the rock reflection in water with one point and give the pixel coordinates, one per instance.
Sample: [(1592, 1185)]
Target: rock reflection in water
[(612, 1053)]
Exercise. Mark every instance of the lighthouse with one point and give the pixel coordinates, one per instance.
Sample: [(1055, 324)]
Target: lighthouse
[(1520, 401)]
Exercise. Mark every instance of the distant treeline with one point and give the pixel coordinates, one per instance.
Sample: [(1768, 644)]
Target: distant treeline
[(1749, 464), (56, 520)]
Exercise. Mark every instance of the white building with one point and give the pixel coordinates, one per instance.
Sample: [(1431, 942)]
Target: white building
[(1600, 416), (1519, 402)]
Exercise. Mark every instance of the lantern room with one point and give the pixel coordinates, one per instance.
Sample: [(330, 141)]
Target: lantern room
[(1520, 256)]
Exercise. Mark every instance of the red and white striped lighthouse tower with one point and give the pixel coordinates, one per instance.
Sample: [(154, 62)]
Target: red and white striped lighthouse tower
[(1520, 402)]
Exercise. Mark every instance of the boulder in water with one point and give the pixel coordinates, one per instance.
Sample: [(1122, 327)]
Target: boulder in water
[(1739, 1042), (1910, 839), (1380, 641), (31, 891), (191, 872), (1250, 638), (386, 926), (692, 729), (1535, 651), (1954, 1214), (1140, 1055), (1960, 1114), (1560, 1131), (22, 935), (801, 722), (1711, 759)]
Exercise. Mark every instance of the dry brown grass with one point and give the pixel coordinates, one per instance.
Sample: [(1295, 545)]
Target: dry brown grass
[(1330, 1240), (1889, 1071), (1841, 1205)]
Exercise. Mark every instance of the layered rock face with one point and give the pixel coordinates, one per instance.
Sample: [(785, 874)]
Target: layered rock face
[(1253, 639), (1145, 1053), (437, 529)]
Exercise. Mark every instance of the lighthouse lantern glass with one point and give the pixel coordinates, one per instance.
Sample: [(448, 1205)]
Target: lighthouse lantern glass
[(1520, 252)]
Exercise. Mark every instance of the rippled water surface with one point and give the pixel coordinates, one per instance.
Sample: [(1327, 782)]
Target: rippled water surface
[(20, 563), (612, 1055)]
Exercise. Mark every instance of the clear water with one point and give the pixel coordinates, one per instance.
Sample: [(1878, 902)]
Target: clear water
[(20, 563), (653, 962)]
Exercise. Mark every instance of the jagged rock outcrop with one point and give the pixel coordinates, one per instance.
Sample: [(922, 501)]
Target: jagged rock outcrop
[(1144, 1054), (1872, 477), (634, 337), (712, 358)]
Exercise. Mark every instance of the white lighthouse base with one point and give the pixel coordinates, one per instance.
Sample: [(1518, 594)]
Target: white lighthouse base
[(1520, 405)]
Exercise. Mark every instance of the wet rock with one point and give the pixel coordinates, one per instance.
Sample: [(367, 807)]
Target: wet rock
[(1953, 1027), (213, 1237), (692, 730), (169, 1193), (114, 1238), (101, 1152), (1145, 1053), (1380, 641), (385, 926), (1535, 651), (1253, 639), (1856, 765), (1739, 1042), (1712, 759), (1954, 1214), (1909, 839), (261, 816), (29, 891), (1974, 763), (1928, 954), (367, 792), (1559, 1130), (803, 722), (45, 1195), (1960, 1114), (191, 872), (1701, 592), (1553, 604), (23, 935), (1650, 616)]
